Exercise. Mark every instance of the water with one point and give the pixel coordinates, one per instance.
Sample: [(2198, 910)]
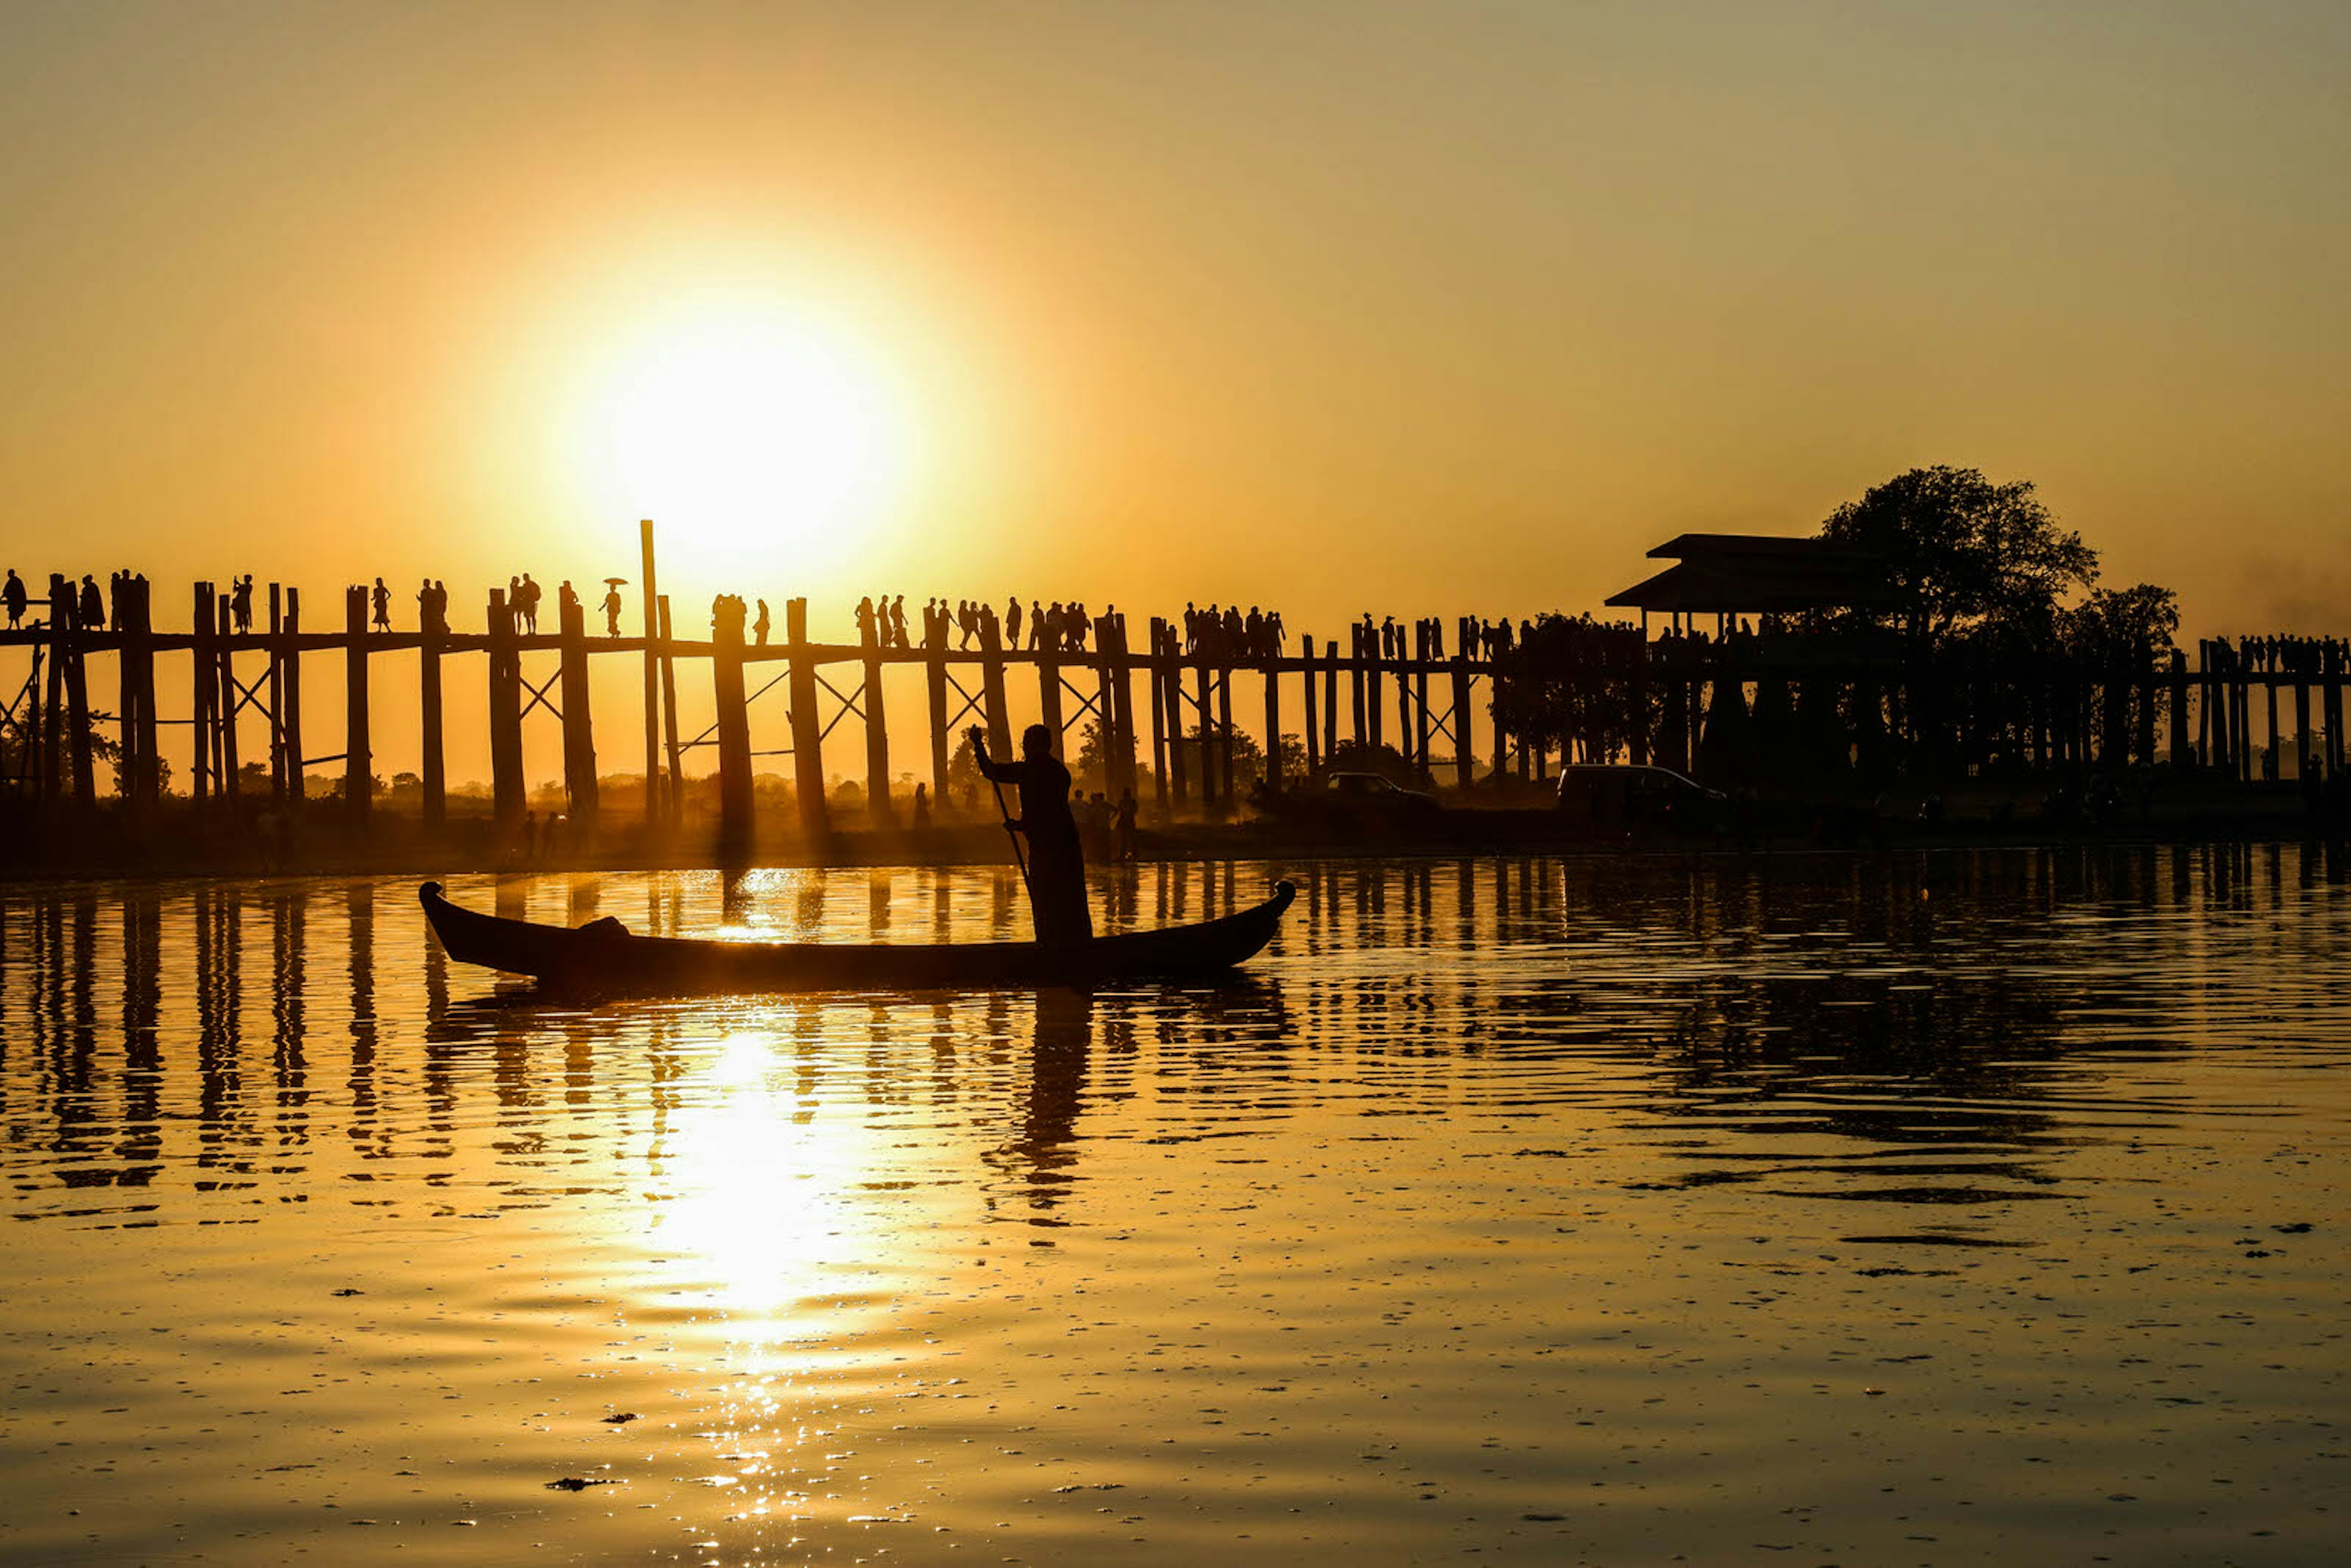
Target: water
[(1812, 1210)]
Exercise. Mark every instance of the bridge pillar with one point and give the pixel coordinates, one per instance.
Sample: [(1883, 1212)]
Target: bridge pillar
[(734, 726), (507, 787), (808, 747), (359, 777), (580, 801)]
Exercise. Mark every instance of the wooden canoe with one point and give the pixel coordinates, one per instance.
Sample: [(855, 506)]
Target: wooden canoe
[(602, 957)]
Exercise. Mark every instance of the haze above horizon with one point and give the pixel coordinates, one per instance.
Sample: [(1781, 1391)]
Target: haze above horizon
[(1433, 311)]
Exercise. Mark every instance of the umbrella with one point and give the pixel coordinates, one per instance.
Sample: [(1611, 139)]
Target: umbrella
[(616, 583)]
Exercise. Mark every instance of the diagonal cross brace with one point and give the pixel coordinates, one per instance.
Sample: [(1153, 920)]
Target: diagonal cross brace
[(539, 698), (849, 705)]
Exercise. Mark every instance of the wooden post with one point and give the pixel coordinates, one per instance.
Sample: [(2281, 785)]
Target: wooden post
[(1272, 730), (734, 726), (1419, 702), (808, 750), (2179, 757), (1637, 679), (877, 742), (290, 714), (580, 804), (652, 680), (1119, 680), (1313, 736), (1154, 676), (126, 641), (1355, 672), (2142, 717), (991, 692), (1210, 796), (1048, 694), (1460, 673), (359, 778), (1330, 701), (2301, 726), (676, 811), (53, 702), (935, 689), (1107, 703), (276, 689), (1374, 683), (2206, 732), (1502, 737), (1167, 682), (2333, 690), (148, 783), (69, 643), (2241, 692), (201, 686), (433, 631), (507, 787), (2277, 752), (227, 768), (1224, 728)]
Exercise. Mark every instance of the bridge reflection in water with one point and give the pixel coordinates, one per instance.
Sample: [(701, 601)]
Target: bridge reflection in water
[(1504, 1203)]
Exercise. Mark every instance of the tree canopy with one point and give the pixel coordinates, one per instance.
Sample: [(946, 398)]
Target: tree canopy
[(1965, 552)]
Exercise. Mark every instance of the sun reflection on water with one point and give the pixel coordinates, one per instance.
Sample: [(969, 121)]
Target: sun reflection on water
[(757, 1184)]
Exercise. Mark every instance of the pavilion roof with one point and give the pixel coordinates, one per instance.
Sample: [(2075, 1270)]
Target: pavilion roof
[(1759, 573)]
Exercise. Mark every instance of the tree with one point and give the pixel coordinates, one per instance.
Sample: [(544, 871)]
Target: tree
[(1090, 770), (1568, 682), (1248, 755), (2117, 634), (1966, 553), (1352, 756), (2124, 625)]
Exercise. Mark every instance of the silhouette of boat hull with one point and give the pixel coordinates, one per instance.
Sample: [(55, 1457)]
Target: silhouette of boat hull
[(602, 958)]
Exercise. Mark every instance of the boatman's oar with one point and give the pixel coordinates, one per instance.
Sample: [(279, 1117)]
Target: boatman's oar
[(978, 749)]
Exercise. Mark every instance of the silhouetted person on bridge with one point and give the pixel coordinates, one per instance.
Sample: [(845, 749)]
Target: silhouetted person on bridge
[(760, 628), (1012, 622), (383, 601), (93, 605), (1057, 863), (240, 605), (16, 598), (613, 610)]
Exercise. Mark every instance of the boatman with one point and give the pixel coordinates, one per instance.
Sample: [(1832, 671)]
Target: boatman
[(1057, 866)]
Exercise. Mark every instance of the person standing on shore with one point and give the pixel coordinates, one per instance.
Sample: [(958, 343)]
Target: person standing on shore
[(1057, 862), (1123, 821)]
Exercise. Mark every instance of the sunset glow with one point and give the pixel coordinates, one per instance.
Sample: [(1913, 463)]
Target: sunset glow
[(759, 434)]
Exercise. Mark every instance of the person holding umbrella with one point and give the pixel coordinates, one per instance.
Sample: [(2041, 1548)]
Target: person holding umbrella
[(1055, 867), (612, 586)]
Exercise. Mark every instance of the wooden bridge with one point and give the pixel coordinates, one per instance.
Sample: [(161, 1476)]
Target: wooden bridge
[(1189, 698)]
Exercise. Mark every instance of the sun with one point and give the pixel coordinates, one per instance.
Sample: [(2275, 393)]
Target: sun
[(751, 434)]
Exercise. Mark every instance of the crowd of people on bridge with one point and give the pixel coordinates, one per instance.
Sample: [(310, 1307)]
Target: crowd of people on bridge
[(1226, 635), (1051, 627), (84, 607), (2311, 656)]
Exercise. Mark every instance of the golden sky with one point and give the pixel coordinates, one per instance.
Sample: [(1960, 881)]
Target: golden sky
[(1421, 309)]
